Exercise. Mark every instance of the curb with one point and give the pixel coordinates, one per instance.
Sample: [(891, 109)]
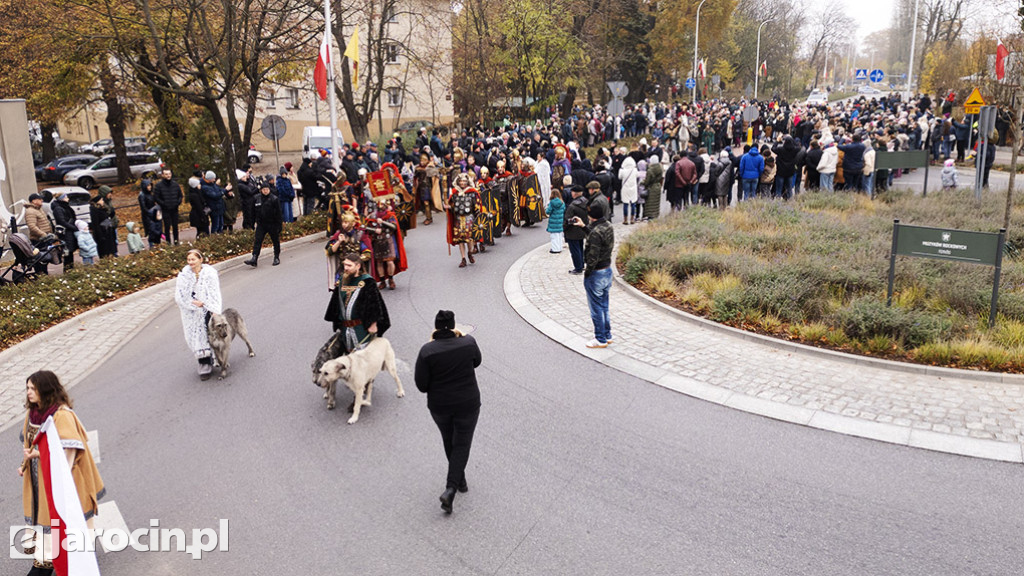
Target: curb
[(890, 433), (937, 371), (52, 332)]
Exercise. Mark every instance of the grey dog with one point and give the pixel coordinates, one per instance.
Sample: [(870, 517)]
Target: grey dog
[(222, 329)]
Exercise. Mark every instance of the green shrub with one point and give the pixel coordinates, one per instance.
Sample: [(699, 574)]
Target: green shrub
[(638, 267), (729, 305), (32, 307), (789, 293), (868, 317)]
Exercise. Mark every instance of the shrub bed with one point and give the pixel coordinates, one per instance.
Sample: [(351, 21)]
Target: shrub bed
[(815, 270), (31, 307)]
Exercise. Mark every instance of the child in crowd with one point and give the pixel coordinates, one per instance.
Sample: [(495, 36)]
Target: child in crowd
[(135, 244), (556, 215), (87, 248), (949, 174)]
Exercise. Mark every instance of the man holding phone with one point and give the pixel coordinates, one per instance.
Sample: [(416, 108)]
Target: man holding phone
[(597, 274)]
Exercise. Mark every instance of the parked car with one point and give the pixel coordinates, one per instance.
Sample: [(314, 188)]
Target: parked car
[(98, 147), (818, 98), (78, 198), (104, 170), (135, 144), (414, 125), (255, 156), (867, 89), (55, 170)]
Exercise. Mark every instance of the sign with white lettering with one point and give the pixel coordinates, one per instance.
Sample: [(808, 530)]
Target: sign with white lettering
[(959, 245)]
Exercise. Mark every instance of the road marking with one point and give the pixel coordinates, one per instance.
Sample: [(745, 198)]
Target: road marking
[(109, 517)]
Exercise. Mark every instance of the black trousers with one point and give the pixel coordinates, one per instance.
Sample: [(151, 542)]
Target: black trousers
[(261, 233), (171, 225), (576, 251), (457, 436)]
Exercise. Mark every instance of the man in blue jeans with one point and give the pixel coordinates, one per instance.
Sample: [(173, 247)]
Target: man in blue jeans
[(597, 274), (751, 166)]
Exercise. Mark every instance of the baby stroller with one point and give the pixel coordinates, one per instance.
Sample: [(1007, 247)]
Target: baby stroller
[(29, 260)]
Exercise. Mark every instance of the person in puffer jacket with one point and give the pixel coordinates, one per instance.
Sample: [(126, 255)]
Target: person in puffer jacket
[(949, 174)]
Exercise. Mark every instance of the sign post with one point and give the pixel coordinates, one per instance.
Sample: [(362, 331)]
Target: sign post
[(973, 103), (274, 128), (986, 122), (983, 248)]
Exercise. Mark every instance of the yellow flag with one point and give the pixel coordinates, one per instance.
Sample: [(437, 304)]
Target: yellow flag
[(352, 53)]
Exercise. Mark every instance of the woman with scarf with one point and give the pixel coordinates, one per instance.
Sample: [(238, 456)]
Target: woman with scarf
[(45, 397), (197, 293)]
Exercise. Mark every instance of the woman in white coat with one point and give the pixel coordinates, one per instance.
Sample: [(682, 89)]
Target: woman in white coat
[(197, 292), (630, 178)]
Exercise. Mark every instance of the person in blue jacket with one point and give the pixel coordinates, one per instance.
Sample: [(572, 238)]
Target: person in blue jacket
[(214, 196), (751, 166), (285, 195)]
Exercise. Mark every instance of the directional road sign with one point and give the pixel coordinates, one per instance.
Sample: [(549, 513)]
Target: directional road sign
[(877, 75), (691, 83), (862, 74)]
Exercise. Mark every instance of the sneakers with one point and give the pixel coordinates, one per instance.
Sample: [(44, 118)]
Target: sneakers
[(595, 343)]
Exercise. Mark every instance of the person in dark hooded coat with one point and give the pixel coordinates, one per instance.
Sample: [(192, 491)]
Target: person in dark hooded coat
[(785, 163)]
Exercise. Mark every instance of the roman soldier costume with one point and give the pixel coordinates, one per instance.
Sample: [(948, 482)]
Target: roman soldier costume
[(388, 248), (463, 208)]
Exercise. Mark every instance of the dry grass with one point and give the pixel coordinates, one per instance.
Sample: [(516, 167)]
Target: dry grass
[(810, 269)]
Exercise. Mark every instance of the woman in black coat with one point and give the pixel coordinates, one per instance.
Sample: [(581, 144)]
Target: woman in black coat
[(198, 214), (64, 216), (104, 222)]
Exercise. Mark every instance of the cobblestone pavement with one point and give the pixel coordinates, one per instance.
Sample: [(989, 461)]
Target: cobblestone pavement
[(944, 411), (76, 346)]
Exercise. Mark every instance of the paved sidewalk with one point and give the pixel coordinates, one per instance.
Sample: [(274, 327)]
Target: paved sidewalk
[(959, 412), (75, 347)]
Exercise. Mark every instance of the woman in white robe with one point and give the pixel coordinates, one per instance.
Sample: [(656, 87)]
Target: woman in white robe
[(197, 292)]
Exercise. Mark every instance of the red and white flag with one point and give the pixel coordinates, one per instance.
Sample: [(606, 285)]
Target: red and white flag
[(1001, 54), (764, 68), (65, 508), (323, 62), (702, 68)]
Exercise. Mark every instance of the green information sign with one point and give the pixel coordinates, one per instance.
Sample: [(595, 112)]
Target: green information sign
[(959, 245), (983, 248)]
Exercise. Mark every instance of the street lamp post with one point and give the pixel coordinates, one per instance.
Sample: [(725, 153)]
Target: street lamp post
[(913, 46), (696, 36), (757, 64)]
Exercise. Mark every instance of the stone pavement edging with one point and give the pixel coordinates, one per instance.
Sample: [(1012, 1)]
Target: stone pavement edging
[(938, 371), (75, 347), (814, 417)]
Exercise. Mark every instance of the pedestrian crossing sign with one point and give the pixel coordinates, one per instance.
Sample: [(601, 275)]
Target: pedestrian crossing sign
[(862, 74)]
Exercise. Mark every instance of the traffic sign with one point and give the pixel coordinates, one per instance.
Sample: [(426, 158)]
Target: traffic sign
[(273, 127), (862, 74), (691, 83), (974, 103), (751, 113), (877, 75)]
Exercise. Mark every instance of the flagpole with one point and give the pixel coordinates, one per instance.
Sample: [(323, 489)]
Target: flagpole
[(330, 86)]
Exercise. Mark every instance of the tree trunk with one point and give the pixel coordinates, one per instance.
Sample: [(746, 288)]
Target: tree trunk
[(1015, 127), (565, 110), (49, 146), (115, 121)]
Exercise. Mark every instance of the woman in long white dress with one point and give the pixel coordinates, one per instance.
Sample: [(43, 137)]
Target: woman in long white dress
[(197, 292)]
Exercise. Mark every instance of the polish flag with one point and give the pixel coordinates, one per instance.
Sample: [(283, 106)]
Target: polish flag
[(1001, 54), (701, 68), (322, 64), (764, 68), (65, 508)]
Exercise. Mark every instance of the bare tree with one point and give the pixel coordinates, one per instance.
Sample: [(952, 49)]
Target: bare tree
[(831, 24)]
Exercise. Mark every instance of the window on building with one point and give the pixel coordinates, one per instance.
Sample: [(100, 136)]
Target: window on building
[(391, 11), (394, 97), (271, 99), (293, 98), (391, 53)]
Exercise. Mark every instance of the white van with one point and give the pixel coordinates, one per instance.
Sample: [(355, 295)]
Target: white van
[(316, 138)]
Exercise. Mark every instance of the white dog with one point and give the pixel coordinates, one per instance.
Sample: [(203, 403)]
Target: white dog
[(358, 369)]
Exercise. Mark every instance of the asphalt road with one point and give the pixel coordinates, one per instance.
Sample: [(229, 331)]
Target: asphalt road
[(576, 468)]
